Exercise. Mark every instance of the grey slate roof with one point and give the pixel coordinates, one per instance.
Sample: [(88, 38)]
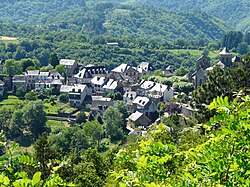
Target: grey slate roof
[(142, 101), (67, 62)]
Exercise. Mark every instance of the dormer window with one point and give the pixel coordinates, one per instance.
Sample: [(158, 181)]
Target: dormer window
[(73, 90), (79, 90)]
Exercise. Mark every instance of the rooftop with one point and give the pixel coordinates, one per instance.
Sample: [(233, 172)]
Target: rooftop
[(142, 101), (67, 62)]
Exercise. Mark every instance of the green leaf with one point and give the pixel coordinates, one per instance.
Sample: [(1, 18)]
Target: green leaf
[(36, 178), (6, 181)]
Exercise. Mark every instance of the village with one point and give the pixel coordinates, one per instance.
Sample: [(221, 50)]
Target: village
[(92, 85)]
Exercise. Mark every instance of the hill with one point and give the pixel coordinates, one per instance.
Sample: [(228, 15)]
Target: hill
[(141, 21), (112, 18), (234, 12)]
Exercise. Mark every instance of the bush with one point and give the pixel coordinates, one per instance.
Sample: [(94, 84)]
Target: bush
[(20, 92), (31, 96), (64, 98)]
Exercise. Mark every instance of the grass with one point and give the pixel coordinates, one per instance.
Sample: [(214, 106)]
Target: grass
[(54, 109), (56, 125), (7, 39), (12, 100), (195, 52)]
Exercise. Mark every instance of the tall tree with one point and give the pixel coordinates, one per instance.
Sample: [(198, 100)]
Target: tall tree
[(54, 60), (113, 123)]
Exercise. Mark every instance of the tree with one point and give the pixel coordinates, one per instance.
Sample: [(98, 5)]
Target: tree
[(92, 171), (242, 48), (94, 132), (54, 60), (181, 71), (34, 117), (113, 122), (31, 96), (64, 98), (44, 154), (80, 118), (218, 156), (11, 68)]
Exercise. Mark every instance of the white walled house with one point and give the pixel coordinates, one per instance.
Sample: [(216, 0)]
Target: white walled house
[(77, 93), (69, 65), (2, 88), (161, 91)]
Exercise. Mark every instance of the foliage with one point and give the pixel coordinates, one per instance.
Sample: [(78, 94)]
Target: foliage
[(113, 121), (221, 159), (30, 118), (64, 98), (20, 92), (238, 18), (81, 118)]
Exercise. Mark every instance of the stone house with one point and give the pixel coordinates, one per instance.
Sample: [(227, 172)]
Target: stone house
[(161, 91), (89, 72), (145, 68), (100, 104), (77, 93), (69, 65), (113, 86), (97, 84), (139, 119), (128, 73), (144, 105), (31, 78)]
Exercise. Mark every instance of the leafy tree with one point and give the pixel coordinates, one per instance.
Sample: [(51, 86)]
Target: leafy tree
[(81, 118), (31, 96), (113, 121), (11, 68), (30, 118), (181, 71), (218, 157), (20, 92), (54, 60), (94, 132), (92, 170), (242, 48), (64, 98)]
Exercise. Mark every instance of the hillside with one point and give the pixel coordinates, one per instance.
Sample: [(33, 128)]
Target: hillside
[(168, 25), (234, 12), (112, 18)]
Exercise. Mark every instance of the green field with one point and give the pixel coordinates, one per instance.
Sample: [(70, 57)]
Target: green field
[(7, 39), (195, 52)]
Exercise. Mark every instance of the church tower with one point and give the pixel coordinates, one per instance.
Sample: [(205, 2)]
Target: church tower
[(226, 57)]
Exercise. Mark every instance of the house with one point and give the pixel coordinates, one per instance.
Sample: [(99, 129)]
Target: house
[(19, 81), (49, 80), (2, 88), (31, 78), (168, 72), (69, 65), (145, 68), (147, 85), (139, 119), (77, 93), (100, 104), (161, 91), (144, 105), (97, 84), (129, 97), (113, 86), (2, 62), (113, 44), (89, 72), (129, 74)]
